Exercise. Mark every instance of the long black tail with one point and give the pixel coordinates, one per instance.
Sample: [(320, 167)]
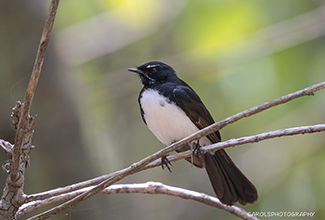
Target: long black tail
[(228, 182)]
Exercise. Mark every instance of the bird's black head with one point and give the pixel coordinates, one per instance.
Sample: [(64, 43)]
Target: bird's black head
[(154, 72)]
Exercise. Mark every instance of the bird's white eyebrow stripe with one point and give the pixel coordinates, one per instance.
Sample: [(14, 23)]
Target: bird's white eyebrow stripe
[(150, 66)]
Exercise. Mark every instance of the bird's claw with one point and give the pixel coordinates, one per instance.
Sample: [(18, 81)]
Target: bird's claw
[(197, 150), (165, 163)]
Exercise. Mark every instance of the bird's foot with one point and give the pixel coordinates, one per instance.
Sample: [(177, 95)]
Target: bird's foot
[(197, 150), (165, 163)]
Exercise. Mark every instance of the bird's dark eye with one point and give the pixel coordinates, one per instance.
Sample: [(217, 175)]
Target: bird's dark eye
[(153, 70)]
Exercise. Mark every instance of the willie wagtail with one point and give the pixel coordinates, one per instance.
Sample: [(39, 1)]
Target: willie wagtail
[(172, 110)]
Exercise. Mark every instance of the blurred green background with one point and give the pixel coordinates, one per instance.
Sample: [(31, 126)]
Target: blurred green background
[(235, 54)]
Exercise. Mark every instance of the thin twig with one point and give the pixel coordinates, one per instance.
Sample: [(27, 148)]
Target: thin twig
[(307, 91), (148, 188), (23, 125), (244, 140)]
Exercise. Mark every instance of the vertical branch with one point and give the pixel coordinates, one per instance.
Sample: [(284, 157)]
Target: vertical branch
[(24, 119), (13, 196)]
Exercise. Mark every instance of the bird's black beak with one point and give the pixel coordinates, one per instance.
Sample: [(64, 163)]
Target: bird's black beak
[(136, 70)]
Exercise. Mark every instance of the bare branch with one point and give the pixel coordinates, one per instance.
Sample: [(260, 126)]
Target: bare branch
[(13, 196), (95, 190), (69, 188), (136, 167), (149, 188), (214, 147), (49, 197)]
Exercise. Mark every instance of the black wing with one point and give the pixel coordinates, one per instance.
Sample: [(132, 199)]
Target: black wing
[(228, 182), (187, 99)]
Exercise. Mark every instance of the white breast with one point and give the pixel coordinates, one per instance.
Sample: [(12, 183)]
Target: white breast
[(165, 120)]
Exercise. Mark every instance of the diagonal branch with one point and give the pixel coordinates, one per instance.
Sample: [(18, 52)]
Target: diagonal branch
[(210, 148), (53, 196), (216, 126), (252, 111)]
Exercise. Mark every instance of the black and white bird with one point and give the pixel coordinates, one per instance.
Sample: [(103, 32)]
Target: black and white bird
[(172, 111)]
